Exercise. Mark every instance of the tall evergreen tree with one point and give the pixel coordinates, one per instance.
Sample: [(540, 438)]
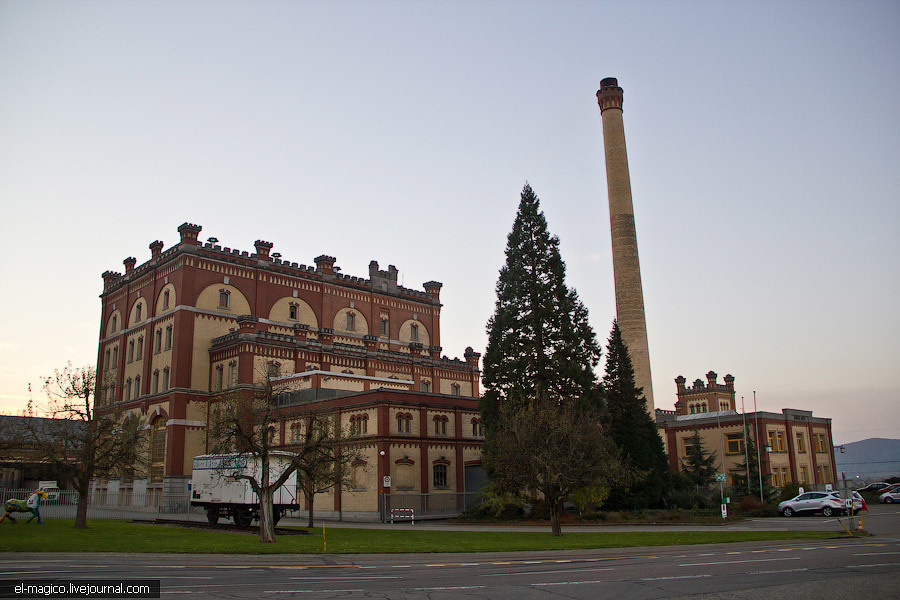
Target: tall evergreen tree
[(540, 345), (698, 464), (632, 428)]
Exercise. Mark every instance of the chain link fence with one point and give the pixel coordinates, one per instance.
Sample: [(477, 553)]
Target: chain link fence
[(121, 504)]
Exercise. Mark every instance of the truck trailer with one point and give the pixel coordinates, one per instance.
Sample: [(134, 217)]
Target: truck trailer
[(217, 488)]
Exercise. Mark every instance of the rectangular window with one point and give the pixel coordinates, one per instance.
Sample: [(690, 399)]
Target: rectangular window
[(165, 379), (351, 321), (804, 474), (735, 443), (232, 374), (801, 442), (384, 327), (218, 378), (414, 333), (293, 312), (440, 476), (137, 312), (223, 299), (166, 299), (780, 440), (158, 346), (131, 351)]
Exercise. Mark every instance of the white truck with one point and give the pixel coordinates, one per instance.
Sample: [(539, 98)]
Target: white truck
[(215, 486)]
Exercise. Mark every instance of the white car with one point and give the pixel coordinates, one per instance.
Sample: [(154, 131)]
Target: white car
[(827, 503), (890, 497)]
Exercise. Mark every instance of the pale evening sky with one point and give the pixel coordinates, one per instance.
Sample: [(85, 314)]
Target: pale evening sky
[(763, 140)]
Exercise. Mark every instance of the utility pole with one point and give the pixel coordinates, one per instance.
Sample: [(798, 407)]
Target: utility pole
[(758, 459), (746, 452)]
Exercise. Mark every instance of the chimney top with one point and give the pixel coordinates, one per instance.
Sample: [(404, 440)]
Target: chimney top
[(609, 82)]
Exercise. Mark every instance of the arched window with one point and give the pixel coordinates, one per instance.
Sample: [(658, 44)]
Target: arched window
[(165, 378), (115, 357), (128, 389), (130, 350), (351, 321), (156, 381), (477, 431), (165, 299), (219, 377), (426, 386), (137, 386), (414, 333), (403, 422), (157, 450), (169, 337), (232, 374), (158, 346), (273, 369), (113, 328), (440, 424), (296, 431), (137, 311), (224, 299), (140, 348), (455, 389), (106, 360), (383, 327)]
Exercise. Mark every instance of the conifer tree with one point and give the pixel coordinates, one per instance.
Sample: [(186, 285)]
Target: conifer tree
[(698, 464), (632, 428), (540, 345)]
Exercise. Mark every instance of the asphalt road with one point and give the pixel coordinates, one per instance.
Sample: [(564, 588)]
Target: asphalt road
[(839, 568)]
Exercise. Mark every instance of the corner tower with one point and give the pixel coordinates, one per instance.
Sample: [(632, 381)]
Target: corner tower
[(626, 266)]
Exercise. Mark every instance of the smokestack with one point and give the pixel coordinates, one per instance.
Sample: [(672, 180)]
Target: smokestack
[(626, 266)]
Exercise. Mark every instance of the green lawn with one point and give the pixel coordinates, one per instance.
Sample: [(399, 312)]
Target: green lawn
[(121, 536)]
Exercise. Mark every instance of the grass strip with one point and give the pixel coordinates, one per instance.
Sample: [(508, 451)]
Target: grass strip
[(120, 536)]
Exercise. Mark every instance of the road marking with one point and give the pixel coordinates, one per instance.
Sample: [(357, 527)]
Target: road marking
[(773, 572), (183, 577), (459, 587), (351, 577), (401, 566), (571, 582), (300, 591), (558, 561), (875, 553), (674, 577), (505, 573), (734, 553), (707, 554), (732, 562), (501, 563), (441, 565), (867, 566)]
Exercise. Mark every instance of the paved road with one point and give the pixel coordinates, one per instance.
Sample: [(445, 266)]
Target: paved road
[(865, 567), (839, 568)]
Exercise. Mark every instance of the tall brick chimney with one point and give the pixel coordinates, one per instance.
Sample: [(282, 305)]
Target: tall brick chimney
[(626, 266)]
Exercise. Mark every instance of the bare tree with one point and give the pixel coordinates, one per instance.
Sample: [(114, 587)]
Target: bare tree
[(80, 442), (247, 421), (551, 450), (322, 456)]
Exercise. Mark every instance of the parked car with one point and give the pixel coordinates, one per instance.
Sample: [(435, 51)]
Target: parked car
[(874, 487), (827, 503), (890, 496)]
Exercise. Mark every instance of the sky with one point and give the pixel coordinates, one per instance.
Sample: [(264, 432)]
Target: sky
[(763, 144)]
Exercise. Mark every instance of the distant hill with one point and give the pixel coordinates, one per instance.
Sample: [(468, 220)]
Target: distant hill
[(874, 459)]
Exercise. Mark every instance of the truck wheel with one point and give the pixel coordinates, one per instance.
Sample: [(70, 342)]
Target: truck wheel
[(242, 518), (212, 515)]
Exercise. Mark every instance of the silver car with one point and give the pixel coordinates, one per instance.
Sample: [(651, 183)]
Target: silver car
[(890, 497), (827, 503)]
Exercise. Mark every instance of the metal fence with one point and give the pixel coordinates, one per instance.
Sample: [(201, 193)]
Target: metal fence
[(108, 504), (435, 505)]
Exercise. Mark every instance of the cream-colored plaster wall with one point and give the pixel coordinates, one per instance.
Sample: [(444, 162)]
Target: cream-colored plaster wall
[(109, 323), (160, 299), (209, 300), (438, 453), (281, 312), (261, 365), (194, 445), (132, 318), (340, 322), (406, 338), (465, 387), (407, 477), (205, 329), (451, 423), (365, 495)]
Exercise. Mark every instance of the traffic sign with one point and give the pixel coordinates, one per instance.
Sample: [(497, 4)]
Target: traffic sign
[(386, 481), (720, 476)]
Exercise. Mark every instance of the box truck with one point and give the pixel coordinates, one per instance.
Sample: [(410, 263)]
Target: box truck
[(217, 488)]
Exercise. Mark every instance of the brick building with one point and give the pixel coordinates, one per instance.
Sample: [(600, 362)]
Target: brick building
[(794, 445), (197, 320)]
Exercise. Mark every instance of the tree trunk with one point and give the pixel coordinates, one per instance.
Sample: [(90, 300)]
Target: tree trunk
[(309, 500), (554, 518), (81, 509), (266, 516)]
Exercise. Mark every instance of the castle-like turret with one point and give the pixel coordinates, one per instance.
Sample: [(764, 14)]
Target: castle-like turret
[(626, 266)]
